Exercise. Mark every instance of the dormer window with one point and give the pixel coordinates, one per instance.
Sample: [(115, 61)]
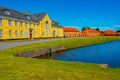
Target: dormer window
[(0, 20), (20, 24), (9, 22), (52, 22), (28, 17), (7, 12)]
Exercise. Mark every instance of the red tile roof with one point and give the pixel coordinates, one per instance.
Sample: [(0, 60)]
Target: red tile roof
[(70, 30), (90, 31), (109, 32)]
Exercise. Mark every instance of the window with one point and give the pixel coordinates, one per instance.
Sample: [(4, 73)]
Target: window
[(47, 28), (46, 33), (15, 23), (21, 33), (28, 17), (33, 25), (10, 33), (20, 24), (26, 33), (38, 33), (26, 24), (34, 33), (0, 32), (30, 25), (9, 22), (16, 32), (0, 20), (7, 12)]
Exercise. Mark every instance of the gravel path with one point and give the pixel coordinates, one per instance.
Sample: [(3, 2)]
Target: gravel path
[(6, 45)]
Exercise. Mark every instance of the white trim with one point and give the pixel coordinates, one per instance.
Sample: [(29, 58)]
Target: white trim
[(17, 19)]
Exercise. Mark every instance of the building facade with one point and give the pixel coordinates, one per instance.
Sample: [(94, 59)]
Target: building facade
[(71, 32), (90, 33), (110, 33), (17, 25), (57, 29)]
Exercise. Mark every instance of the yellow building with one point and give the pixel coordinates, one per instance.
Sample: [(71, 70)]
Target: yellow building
[(57, 29), (17, 25)]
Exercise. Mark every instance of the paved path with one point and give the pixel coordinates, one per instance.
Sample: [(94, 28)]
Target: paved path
[(6, 45)]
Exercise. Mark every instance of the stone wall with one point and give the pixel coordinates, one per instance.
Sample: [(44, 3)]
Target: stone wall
[(40, 52)]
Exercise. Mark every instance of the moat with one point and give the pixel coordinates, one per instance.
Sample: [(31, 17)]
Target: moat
[(106, 53)]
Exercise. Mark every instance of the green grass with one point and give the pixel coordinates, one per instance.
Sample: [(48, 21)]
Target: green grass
[(17, 68)]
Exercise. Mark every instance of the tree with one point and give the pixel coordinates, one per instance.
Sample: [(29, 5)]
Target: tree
[(84, 28), (88, 28), (118, 31), (97, 29)]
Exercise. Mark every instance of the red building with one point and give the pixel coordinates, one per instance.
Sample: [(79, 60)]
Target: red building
[(110, 33), (91, 33), (71, 32)]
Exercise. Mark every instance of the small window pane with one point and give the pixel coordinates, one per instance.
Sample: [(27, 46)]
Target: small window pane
[(16, 32), (0, 20), (15, 23), (0, 32), (20, 24), (9, 22), (7, 12), (10, 33)]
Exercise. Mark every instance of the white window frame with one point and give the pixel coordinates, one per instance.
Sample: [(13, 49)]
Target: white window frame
[(16, 33), (1, 32), (26, 33), (47, 28), (10, 33), (21, 33)]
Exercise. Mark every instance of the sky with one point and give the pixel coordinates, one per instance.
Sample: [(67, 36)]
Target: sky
[(104, 14)]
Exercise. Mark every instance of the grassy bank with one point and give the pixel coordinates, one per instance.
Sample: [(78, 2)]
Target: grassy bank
[(13, 68)]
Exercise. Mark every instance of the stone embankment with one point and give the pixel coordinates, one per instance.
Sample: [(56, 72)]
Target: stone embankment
[(40, 52)]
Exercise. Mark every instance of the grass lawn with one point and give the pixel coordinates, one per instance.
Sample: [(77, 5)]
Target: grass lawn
[(17, 68)]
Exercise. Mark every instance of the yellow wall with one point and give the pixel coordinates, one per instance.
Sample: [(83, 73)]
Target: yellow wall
[(57, 31), (5, 27), (39, 29), (42, 25)]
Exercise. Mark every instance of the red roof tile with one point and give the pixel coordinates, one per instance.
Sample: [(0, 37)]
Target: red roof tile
[(90, 31), (109, 32), (70, 30)]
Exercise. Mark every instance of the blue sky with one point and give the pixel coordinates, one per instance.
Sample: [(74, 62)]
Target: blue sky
[(104, 14)]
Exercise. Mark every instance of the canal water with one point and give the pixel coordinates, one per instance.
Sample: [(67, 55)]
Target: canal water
[(106, 53)]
